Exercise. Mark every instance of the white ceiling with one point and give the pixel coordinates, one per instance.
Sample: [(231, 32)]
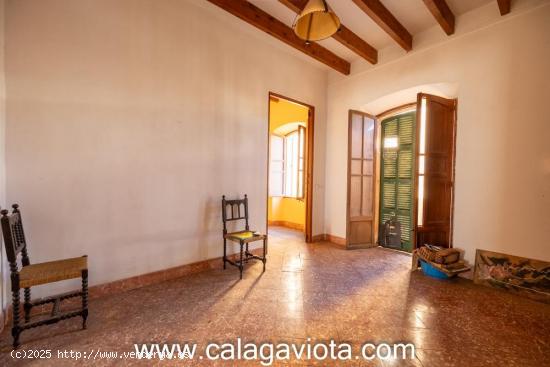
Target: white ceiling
[(413, 14)]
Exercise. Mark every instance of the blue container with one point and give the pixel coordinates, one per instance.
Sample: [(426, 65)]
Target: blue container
[(432, 271)]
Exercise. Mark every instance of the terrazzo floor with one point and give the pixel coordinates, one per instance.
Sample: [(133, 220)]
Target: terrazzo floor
[(316, 291)]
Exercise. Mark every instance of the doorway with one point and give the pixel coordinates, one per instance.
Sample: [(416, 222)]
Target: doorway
[(290, 165), (413, 174), (397, 177)]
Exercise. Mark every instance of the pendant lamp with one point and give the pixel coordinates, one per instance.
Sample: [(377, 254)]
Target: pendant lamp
[(316, 22)]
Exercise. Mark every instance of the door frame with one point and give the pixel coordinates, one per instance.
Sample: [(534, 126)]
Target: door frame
[(375, 179), (309, 162), (404, 108)]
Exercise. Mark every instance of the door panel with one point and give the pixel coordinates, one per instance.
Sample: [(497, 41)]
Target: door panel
[(368, 168), (435, 224), (390, 164), (361, 163), (356, 166), (368, 138), (361, 229), (367, 205), (397, 181), (436, 211), (356, 136), (355, 196)]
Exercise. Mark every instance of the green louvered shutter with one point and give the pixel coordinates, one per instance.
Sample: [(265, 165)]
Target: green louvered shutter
[(397, 167)]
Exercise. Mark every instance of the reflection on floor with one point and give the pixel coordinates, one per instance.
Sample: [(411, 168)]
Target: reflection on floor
[(318, 291), (277, 233)]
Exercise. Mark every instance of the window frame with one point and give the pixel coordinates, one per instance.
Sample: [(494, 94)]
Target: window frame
[(300, 157)]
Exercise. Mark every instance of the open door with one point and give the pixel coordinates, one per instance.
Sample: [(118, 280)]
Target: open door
[(434, 170), (361, 180)]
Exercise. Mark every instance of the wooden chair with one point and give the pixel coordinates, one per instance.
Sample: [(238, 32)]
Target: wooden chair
[(243, 237), (37, 274)]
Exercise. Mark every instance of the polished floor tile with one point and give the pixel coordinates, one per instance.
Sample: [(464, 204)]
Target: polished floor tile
[(317, 291)]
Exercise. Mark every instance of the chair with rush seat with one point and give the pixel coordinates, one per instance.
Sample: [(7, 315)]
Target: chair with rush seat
[(231, 211), (36, 274)]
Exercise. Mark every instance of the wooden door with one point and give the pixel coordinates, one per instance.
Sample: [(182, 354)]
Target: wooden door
[(361, 180), (434, 168)]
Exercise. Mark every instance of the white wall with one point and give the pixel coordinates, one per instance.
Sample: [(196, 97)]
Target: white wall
[(128, 120), (3, 264), (503, 152)]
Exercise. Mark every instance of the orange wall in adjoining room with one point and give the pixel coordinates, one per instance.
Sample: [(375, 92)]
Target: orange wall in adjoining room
[(282, 112), (289, 210)]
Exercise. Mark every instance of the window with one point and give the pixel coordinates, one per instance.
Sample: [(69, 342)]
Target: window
[(391, 142), (287, 164), (291, 164), (276, 165)]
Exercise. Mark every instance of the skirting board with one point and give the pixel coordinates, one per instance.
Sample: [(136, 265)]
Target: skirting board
[(130, 283), (143, 280), (284, 223), (329, 238)]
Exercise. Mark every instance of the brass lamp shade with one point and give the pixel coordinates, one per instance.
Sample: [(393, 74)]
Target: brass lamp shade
[(316, 22)]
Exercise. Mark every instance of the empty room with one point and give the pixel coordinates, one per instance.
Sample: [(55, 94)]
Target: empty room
[(275, 182)]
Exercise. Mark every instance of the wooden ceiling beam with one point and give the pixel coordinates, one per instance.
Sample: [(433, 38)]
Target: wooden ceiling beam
[(504, 6), (262, 20), (443, 14), (385, 20), (344, 35), (295, 5)]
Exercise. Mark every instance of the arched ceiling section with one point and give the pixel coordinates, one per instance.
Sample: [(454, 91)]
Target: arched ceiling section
[(404, 96)]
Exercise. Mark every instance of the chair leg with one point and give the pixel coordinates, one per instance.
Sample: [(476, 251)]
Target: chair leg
[(246, 253), (265, 251), (224, 252), (27, 305), (241, 262), (84, 297), (15, 330)]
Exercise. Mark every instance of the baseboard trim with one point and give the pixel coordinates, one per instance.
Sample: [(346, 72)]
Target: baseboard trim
[(340, 241), (127, 284), (286, 224)]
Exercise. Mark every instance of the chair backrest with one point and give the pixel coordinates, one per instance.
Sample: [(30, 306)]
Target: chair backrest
[(232, 210), (14, 237)]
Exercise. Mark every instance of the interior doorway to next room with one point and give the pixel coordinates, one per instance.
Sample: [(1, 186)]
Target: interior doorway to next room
[(290, 164)]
